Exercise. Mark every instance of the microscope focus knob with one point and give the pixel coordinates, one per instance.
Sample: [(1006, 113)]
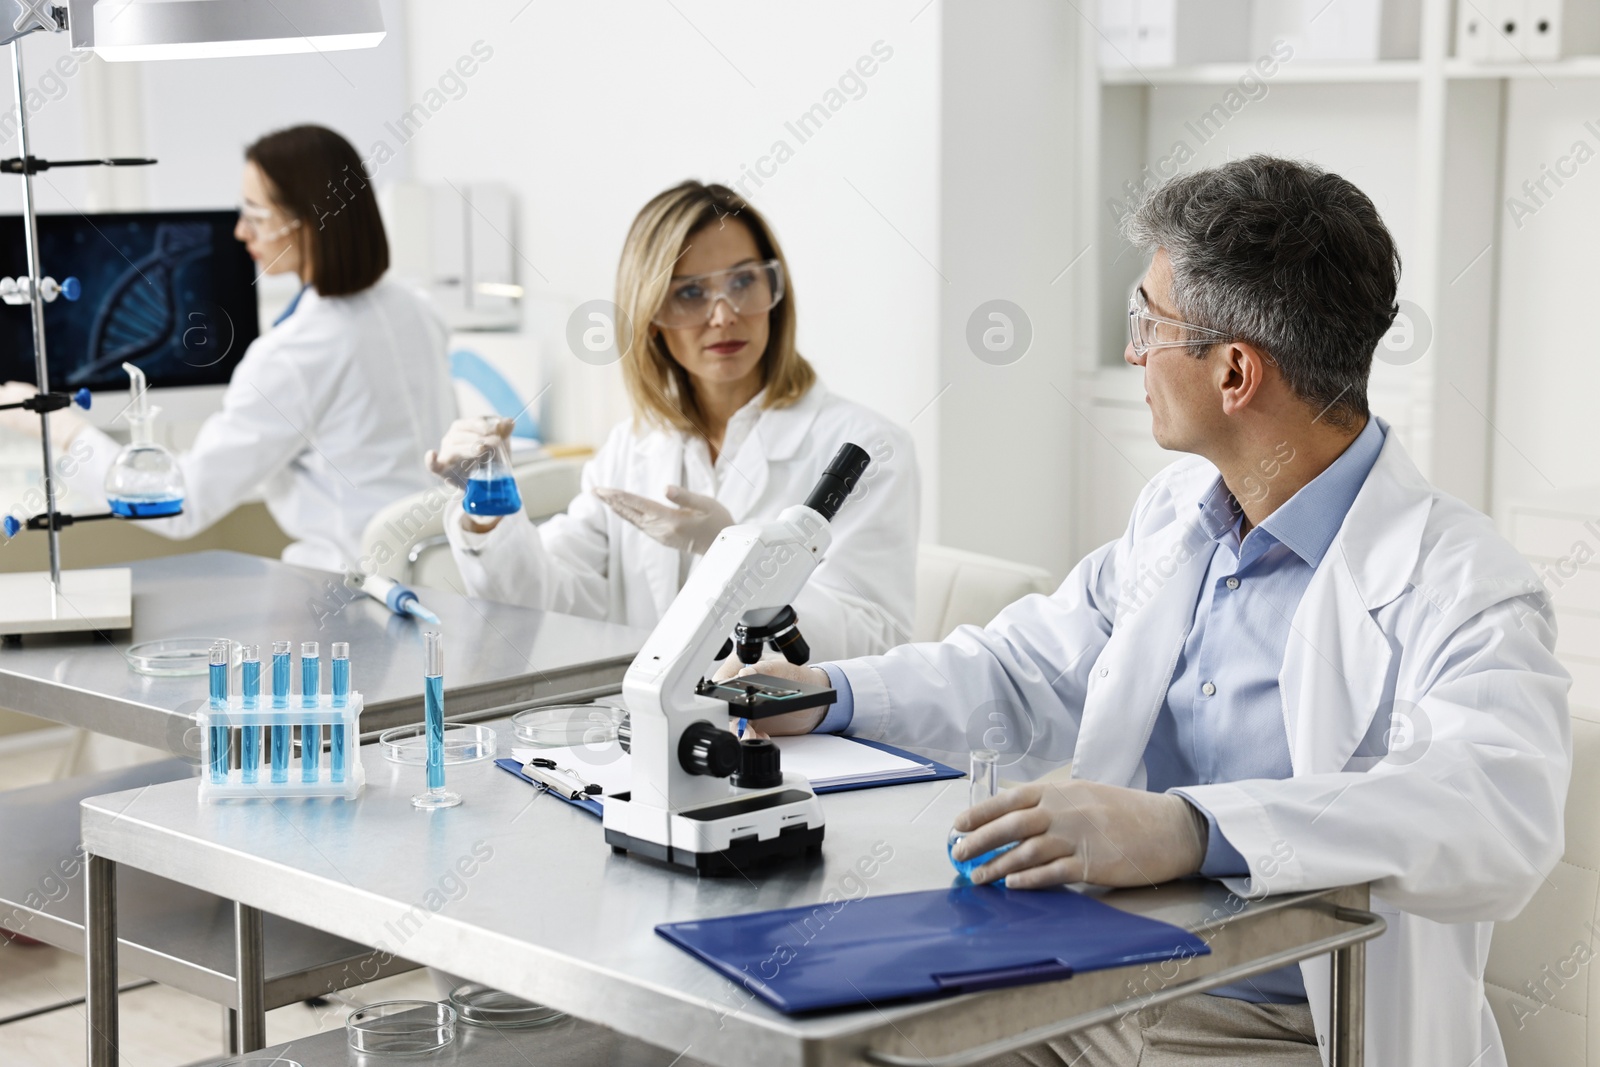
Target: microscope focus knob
[(760, 764), (705, 749)]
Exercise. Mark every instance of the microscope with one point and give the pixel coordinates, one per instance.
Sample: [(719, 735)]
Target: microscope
[(700, 797)]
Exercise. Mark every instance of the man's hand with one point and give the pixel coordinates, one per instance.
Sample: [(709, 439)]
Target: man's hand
[(1083, 832), (794, 722)]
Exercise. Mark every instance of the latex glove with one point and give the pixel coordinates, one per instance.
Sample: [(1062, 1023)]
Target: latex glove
[(692, 525), (1083, 832), (65, 424), (795, 722), (465, 443)]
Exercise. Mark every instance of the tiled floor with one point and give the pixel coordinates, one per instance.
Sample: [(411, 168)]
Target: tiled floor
[(160, 1027)]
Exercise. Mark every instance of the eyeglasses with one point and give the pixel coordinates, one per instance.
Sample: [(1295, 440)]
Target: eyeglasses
[(1145, 333), (749, 290), (256, 217)]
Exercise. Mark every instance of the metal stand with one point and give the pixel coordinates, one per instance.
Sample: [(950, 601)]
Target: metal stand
[(250, 1014)]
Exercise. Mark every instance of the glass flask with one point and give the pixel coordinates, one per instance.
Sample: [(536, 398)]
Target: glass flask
[(985, 784), (491, 487), (145, 481)]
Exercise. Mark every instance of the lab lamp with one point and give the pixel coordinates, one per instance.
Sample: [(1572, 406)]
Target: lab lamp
[(123, 30), (120, 30)]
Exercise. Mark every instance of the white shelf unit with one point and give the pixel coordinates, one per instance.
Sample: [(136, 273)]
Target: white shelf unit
[(1559, 533), (1423, 136)]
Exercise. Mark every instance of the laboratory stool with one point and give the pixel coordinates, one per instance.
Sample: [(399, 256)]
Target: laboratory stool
[(568, 1043), (168, 932)]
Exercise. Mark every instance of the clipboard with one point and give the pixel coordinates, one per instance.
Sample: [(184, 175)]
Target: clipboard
[(512, 766), (915, 946)]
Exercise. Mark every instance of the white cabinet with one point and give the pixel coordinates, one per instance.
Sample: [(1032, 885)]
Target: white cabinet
[(1559, 533)]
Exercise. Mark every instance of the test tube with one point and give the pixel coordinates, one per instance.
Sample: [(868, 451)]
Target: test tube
[(341, 699), (310, 697), (437, 795), (219, 707), (280, 700), (250, 694), (985, 783)]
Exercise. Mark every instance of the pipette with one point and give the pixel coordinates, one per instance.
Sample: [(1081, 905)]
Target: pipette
[(219, 702), (341, 698), (250, 695), (437, 795), (280, 699), (310, 697), (398, 598)]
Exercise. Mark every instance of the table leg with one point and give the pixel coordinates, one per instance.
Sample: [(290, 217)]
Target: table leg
[(250, 975), (1347, 1021), (100, 957)]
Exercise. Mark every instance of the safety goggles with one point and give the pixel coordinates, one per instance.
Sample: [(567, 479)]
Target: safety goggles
[(255, 218), (751, 289), (1147, 331)]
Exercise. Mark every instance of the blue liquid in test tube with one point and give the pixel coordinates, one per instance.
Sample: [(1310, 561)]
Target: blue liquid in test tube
[(985, 783), (250, 691), (437, 795), (218, 768), (280, 699), (310, 697), (341, 699)]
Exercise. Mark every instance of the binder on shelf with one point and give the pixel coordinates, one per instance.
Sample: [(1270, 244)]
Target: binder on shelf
[(913, 946), (1149, 34), (1506, 39), (1474, 28), (1116, 34)]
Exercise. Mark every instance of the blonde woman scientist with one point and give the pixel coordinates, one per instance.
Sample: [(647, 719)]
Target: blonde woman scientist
[(730, 424)]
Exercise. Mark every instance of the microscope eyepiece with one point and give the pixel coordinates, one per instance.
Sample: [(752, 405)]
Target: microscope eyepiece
[(837, 481)]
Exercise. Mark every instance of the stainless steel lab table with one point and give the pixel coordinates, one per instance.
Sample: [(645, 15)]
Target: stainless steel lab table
[(495, 655), (518, 890)]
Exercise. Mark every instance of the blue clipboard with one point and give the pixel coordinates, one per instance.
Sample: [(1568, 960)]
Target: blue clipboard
[(512, 766), (913, 946), (940, 771)]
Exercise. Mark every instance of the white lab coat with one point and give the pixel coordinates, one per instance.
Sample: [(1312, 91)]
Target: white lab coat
[(329, 415), (1417, 590), (589, 561)]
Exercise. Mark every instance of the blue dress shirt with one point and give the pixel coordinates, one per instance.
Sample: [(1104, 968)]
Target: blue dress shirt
[(1222, 720)]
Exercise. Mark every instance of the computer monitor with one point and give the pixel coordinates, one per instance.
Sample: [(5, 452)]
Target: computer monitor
[(169, 291)]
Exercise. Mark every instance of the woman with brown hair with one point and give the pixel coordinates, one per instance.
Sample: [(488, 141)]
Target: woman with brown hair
[(730, 424), (327, 411)]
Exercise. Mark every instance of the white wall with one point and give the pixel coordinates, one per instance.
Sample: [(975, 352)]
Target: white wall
[(1547, 377), (589, 110)]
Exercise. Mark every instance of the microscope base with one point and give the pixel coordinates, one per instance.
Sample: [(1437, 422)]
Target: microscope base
[(724, 837)]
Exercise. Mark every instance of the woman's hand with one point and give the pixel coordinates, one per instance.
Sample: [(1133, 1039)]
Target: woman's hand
[(65, 425), (693, 525), (465, 444), (1083, 832)]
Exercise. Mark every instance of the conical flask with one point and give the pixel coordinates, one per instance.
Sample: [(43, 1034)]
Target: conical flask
[(144, 481)]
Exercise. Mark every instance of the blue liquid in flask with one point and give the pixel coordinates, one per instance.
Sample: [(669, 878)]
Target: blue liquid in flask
[(492, 496), (146, 509)]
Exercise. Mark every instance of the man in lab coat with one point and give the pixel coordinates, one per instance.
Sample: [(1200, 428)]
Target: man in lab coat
[(1300, 667)]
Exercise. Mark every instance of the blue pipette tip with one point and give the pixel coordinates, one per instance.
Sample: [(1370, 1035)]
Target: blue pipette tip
[(82, 397), (13, 526), (71, 288)]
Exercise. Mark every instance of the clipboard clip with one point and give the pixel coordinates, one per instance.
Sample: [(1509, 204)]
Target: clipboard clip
[(560, 780)]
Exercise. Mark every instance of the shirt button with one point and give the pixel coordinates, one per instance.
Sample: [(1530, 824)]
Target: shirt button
[(1208, 689), (1104, 671), (1233, 583)]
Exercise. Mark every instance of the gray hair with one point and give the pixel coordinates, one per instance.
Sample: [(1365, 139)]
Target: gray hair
[(1287, 257)]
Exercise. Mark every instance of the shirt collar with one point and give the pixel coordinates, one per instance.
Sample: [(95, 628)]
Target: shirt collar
[(293, 304), (1307, 522)]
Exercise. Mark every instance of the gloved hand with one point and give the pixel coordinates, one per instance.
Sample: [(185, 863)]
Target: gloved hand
[(693, 525), (795, 722), (464, 444), (65, 424), (1083, 832)]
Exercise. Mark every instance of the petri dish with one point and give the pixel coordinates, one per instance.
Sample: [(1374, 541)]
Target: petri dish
[(259, 1061), (463, 743), (401, 1026), (479, 1005), (175, 657), (567, 725)]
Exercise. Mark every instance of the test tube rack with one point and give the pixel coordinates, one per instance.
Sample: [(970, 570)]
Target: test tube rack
[(324, 719)]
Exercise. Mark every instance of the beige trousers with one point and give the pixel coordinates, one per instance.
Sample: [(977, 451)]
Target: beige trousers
[(1197, 1029)]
